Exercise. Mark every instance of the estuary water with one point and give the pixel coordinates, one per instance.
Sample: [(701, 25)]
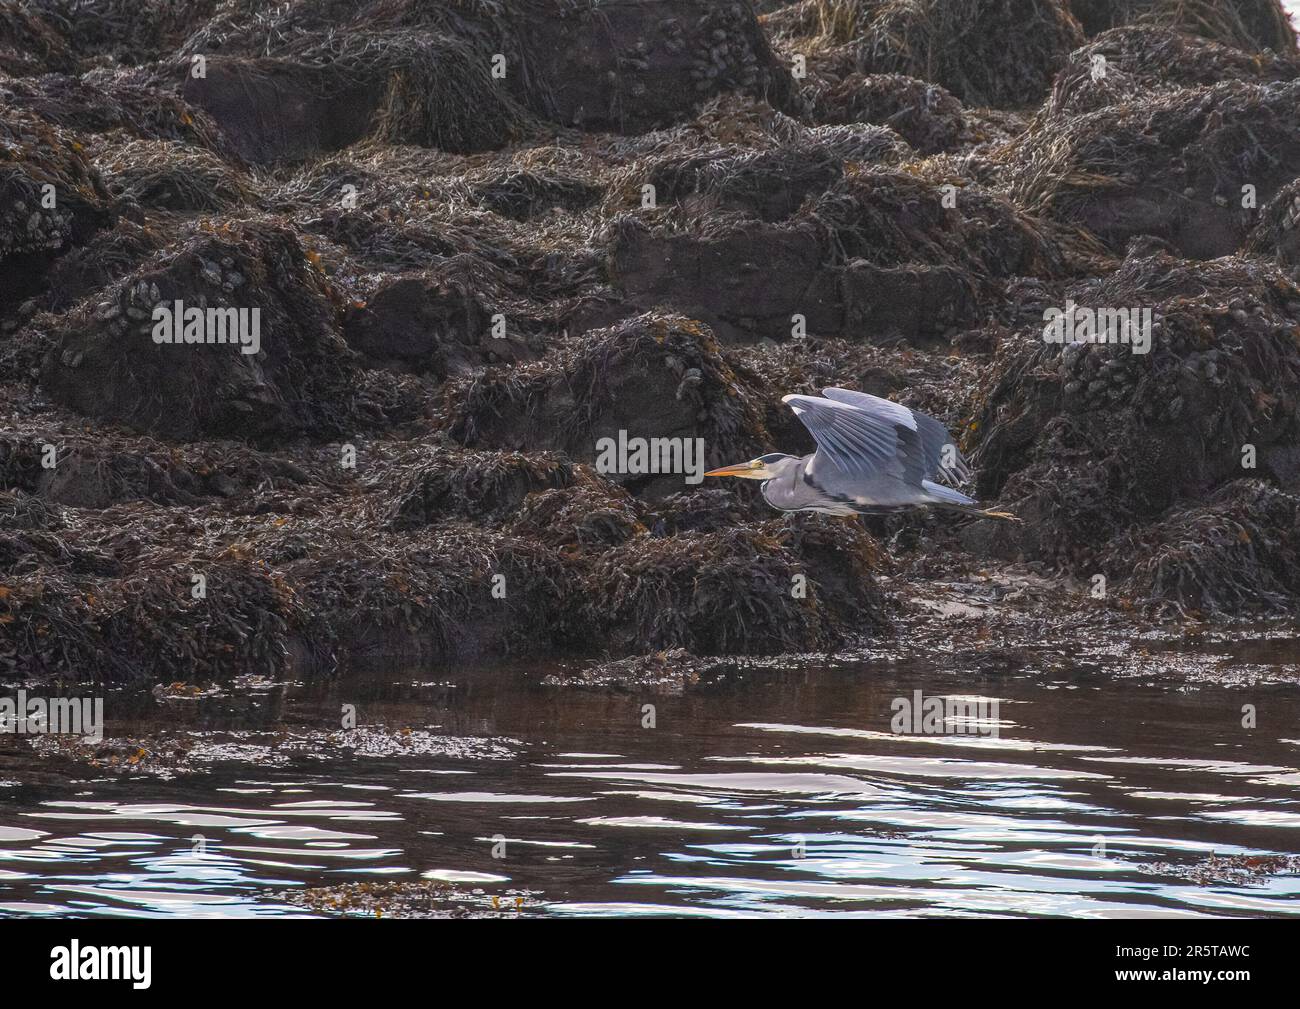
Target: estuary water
[(787, 795)]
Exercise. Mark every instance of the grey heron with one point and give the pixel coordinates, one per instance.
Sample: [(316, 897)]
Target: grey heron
[(873, 456)]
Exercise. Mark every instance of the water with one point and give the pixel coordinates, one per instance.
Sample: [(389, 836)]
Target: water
[(787, 795)]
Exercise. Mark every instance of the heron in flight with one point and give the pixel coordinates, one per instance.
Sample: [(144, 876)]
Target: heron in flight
[(873, 456)]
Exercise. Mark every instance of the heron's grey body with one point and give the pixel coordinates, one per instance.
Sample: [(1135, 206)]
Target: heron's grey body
[(872, 455), (795, 489)]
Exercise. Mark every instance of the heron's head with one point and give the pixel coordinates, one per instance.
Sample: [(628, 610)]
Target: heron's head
[(765, 467)]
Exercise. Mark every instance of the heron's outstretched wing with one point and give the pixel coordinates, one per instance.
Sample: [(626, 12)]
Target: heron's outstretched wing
[(865, 437), (951, 466), (858, 445)]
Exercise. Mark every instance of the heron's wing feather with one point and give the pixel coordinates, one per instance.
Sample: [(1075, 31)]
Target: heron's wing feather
[(885, 408), (859, 444), (933, 435)]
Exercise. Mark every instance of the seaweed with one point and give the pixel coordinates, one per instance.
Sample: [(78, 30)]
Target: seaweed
[(881, 254), (1252, 25), (1175, 164), (1002, 53), (481, 486), (1277, 234), (169, 175), (926, 115), (1089, 441), (740, 591), (1237, 553), (104, 362), (1140, 61), (653, 376), (51, 199)]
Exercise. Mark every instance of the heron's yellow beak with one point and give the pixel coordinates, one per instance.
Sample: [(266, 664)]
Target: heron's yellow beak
[(755, 470)]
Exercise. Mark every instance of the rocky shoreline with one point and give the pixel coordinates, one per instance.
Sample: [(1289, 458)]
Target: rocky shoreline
[(482, 237)]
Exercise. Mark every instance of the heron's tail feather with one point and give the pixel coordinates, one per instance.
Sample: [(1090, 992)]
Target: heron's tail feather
[(945, 496)]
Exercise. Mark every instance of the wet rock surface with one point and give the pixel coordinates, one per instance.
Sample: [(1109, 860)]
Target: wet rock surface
[(616, 225)]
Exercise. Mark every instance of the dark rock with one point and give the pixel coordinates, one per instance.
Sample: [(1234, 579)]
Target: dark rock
[(923, 114), (1174, 165), (105, 363), (647, 378)]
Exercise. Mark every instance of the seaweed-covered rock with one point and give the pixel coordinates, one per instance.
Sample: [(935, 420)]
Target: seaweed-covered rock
[(1236, 553), (473, 77), (407, 322), (452, 483), (149, 623), (766, 185), (1252, 25), (926, 115), (90, 474), (1084, 440), (523, 195), (651, 377), (865, 143), (709, 509), (391, 197), (747, 280), (106, 256), (434, 322), (1278, 232), (290, 376), (739, 591), (878, 253), (98, 479), (136, 100), (168, 175), (1001, 53), (67, 36), (1127, 65), (1186, 166), (450, 593), (318, 76), (51, 200), (591, 513), (271, 109), (31, 43), (633, 65), (127, 31)]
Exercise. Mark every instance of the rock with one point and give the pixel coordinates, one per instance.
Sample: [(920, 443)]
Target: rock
[(1153, 167), (1252, 25), (296, 382), (622, 382)]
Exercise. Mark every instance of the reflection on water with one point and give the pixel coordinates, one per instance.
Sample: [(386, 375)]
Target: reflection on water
[(787, 796)]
